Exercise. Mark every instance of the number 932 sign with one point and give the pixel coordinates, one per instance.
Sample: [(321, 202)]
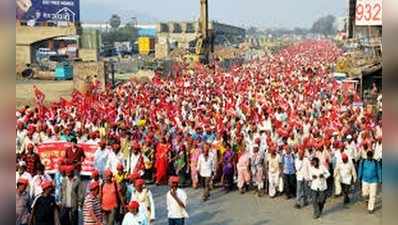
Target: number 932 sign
[(368, 12)]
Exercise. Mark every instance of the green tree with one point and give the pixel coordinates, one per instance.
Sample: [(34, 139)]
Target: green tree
[(252, 31), (324, 25), (121, 34)]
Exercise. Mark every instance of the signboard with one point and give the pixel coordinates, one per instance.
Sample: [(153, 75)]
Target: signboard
[(368, 13), (350, 86), (51, 152), (56, 11)]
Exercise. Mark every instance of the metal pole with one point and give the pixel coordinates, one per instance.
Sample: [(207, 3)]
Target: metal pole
[(113, 74), (106, 69)]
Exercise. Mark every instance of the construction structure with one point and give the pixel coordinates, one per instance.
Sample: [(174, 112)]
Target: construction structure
[(363, 57), (183, 35), (28, 37)]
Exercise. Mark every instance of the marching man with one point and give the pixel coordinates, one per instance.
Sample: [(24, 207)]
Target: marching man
[(134, 216), (302, 165), (318, 174), (257, 167), (345, 170), (206, 170), (274, 171), (92, 213), (370, 175), (176, 203), (143, 195)]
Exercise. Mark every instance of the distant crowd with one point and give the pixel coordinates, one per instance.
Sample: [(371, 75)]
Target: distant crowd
[(280, 125)]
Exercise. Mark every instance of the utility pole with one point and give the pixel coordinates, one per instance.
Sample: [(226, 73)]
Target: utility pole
[(351, 18), (204, 18), (204, 44)]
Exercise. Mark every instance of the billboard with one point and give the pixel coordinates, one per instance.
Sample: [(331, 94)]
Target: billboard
[(48, 10), (368, 13)]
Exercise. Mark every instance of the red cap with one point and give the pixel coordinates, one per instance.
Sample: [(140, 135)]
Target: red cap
[(94, 173), (134, 176), (301, 152), (31, 145), (134, 205), (139, 182), (46, 184), (23, 181), (174, 179), (339, 144), (120, 167), (69, 169), (62, 168), (108, 173), (344, 157), (93, 185), (135, 145), (20, 124)]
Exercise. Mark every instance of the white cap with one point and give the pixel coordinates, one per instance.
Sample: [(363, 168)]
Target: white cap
[(349, 137)]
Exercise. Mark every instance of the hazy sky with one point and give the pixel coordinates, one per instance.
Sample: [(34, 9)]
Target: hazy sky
[(262, 13)]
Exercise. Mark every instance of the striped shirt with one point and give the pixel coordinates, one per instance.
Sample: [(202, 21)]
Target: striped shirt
[(91, 204)]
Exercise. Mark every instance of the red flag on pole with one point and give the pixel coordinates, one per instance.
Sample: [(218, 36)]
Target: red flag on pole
[(39, 95), (63, 102)]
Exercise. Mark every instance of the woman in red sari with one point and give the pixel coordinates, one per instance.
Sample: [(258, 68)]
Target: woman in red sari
[(161, 163)]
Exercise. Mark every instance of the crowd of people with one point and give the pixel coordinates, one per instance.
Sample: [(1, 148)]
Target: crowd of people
[(280, 125)]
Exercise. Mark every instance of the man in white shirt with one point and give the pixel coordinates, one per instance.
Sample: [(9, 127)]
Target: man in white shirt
[(347, 174), (143, 195), (38, 179), (101, 156), (263, 141), (134, 216), (318, 175), (378, 149), (136, 161), (114, 158), (176, 203), (20, 138), (22, 173), (351, 148), (206, 169), (302, 164), (274, 172)]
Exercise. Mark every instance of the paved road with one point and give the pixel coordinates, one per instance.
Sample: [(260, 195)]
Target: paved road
[(247, 209)]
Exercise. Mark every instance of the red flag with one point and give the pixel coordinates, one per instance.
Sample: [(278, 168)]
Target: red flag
[(63, 102), (77, 97), (39, 95)]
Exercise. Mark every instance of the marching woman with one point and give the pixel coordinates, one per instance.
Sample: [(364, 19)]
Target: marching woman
[(243, 169), (161, 161)]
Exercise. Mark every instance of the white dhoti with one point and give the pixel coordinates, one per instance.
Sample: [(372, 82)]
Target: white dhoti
[(273, 179), (337, 185), (369, 190)]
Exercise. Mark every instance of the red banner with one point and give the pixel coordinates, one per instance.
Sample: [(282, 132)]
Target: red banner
[(50, 153), (88, 163)]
